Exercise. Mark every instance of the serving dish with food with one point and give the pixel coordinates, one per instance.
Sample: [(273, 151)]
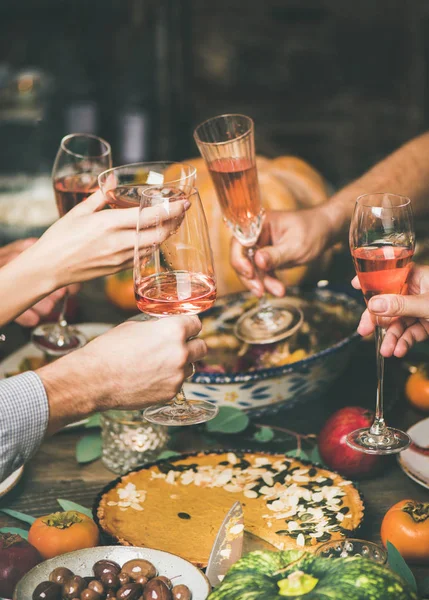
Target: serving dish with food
[(114, 572), (286, 502)]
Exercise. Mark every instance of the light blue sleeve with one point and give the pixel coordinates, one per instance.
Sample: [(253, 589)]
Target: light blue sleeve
[(24, 414)]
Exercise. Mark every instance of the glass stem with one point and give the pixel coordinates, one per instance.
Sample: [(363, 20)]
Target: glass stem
[(179, 399), (264, 303), (61, 319), (379, 426)]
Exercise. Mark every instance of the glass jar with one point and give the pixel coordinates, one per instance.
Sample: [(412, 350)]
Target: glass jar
[(129, 440)]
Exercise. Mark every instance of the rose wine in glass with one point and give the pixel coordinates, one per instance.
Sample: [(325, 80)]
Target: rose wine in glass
[(382, 245), (227, 145), (123, 186), (79, 161), (174, 275)]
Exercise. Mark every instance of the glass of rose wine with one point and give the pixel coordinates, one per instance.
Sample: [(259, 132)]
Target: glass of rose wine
[(79, 161), (122, 186), (174, 275), (382, 245), (227, 145)]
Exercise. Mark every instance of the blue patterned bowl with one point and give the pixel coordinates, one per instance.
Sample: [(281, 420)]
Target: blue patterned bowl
[(268, 390)]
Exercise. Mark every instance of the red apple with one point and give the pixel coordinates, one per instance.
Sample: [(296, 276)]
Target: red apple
[(334, 450)]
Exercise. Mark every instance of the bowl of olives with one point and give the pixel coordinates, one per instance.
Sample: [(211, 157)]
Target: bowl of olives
[(114, 573)]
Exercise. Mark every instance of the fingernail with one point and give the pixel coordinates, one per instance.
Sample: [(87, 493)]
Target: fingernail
[(255, 288), (246, 273), (278, 289), (378, 305), (264, 258), (186, 205)]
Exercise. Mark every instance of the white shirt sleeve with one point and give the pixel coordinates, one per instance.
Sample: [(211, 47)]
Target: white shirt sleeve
[(24, 414)]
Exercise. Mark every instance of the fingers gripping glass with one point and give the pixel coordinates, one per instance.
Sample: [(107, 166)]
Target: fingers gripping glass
[(174, 275), (79, 161), (382, 245), (227, 145)]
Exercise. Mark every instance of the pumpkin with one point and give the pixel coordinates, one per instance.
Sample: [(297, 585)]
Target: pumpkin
[(119, 289), (296, 574), (286, 183)]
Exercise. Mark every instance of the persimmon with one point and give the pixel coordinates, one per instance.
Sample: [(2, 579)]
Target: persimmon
[(417, 388), (63, 532), (406, 526)]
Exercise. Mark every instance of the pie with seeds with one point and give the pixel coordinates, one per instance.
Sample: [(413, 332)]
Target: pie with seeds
[(178, 505)]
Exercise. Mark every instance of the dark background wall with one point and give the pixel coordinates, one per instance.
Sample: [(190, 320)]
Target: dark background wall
[(338, 82)]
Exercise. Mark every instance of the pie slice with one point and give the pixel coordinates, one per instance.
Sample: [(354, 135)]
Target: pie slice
[(179, 505)]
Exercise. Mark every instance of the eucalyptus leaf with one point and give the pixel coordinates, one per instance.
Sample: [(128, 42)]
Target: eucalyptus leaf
[(18, 515), (398, 564), (89, 448), (93, 421), (264, 434), (228, 420), (167, 454), (301, 454), (315, 456), (16, 531), (69, 505), (423, 587)]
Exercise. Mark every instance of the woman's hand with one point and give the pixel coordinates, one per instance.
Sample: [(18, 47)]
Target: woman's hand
[(89, 242), (287, 239), (406, 317)]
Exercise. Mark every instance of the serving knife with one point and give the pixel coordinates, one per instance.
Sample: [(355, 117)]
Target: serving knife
[(228, 545)]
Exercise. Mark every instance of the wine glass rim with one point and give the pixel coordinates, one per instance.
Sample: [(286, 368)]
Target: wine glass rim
[(361, 199), (239, 137), (193, 191), (68, 137), (107, 172)]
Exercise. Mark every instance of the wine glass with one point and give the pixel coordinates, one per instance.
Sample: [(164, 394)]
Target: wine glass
[(382, 245), (227, 145), (174, 275), (79, 161), (122, 186)]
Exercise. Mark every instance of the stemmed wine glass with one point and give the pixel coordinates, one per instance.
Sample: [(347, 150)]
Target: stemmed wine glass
[(79, 161), (174, 275), (382, 245), (227, 145), (122, 186)]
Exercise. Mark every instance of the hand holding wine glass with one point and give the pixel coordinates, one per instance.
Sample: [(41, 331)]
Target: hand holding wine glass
[(382, 245), (407, 316)]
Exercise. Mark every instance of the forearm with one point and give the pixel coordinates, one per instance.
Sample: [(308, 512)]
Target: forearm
[(404, 172), (75, 387)]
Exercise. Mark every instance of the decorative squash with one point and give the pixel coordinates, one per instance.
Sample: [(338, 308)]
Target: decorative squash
[(287, 183), (296, 574), (119, 289)]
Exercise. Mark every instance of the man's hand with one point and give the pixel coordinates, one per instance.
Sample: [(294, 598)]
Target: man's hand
[(406, 317)]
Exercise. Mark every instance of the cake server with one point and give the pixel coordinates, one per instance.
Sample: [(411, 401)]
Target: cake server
[(228, 545)]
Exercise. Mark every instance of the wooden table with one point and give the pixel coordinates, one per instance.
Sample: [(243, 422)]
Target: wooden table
[(54, 473)]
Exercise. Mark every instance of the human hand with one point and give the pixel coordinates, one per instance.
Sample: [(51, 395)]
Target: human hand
[(32, 316), (130, 367), (406, 317), (89, 242), (287, 239)]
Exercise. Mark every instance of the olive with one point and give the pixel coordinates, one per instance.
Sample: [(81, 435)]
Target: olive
[(155, 589), (47, 590), (97, 586), (139, 566), (74, 587), (165, 580), (110, 581), (89, 594), (181, 592), (111, 595), (106, 566), (129, 591), (141, 579), (60, 575), (124, 578)]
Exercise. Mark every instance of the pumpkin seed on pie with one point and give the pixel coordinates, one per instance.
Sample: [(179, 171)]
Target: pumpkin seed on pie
[(178, 505)]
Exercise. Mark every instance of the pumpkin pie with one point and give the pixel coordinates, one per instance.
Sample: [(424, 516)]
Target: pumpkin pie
[(178, 505)]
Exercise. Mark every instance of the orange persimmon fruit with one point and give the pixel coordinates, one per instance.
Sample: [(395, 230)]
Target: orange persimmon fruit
[(406, 526)]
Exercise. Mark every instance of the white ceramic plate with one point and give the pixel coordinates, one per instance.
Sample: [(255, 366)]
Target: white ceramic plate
[(12, 362), (11, 481), (413, 463), (81, 562)]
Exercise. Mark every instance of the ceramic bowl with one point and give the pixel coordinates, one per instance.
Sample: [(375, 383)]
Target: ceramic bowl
[(268, 390), (81, 562)]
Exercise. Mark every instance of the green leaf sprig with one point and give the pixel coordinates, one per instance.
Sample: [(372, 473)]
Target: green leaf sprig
[(398, 564)]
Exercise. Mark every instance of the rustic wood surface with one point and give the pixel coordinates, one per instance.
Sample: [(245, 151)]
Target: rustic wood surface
[(54, 473)]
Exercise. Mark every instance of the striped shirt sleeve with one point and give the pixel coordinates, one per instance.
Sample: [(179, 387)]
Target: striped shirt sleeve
[(24, 414)]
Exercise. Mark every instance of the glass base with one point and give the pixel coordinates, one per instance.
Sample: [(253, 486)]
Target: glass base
[(390, 441), (268, 324), (191, 412), (352, 547), (57, 341)]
